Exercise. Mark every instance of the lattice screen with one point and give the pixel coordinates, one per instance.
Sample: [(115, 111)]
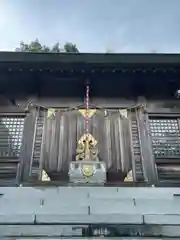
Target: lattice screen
[(11, 132), (165, 137)]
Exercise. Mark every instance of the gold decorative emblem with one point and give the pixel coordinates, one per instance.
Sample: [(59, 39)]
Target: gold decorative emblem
[(87, 148), (123, 113), (87, 170), (45, 177), (90, 112), (87, 137), (51, 112), (129, 177)]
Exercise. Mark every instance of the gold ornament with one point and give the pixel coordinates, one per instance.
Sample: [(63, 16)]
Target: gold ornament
[(129, 177), (45, 177), (87, 137), (123, 113), (87, 112), (87, 170), (51, 112)]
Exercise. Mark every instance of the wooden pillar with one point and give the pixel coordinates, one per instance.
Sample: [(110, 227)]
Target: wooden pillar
[(43, 147), (26, 153), (147, 155)]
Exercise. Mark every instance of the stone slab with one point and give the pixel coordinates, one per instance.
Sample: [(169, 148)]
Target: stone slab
[(19, 206), (17, 218), (63, 209), (89, 219), (164, 219), (147, 192), (39, 230), (102, 192), (157, 206), (113, 207), (68, 193)]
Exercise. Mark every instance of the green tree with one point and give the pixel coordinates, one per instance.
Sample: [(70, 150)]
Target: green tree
[(69, 47), (36, 46), (45, 49), (56, 48)]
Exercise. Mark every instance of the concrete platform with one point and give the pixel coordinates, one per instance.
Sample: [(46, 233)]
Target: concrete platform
[(36, 211)]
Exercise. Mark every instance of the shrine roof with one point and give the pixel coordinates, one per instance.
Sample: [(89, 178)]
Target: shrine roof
[(92, 58)]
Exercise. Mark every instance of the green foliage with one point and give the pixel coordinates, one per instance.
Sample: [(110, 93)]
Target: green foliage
[(56, 48), (36, 46), (69, 47)]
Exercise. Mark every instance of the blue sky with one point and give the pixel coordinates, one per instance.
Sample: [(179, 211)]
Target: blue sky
[(93, 25)]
